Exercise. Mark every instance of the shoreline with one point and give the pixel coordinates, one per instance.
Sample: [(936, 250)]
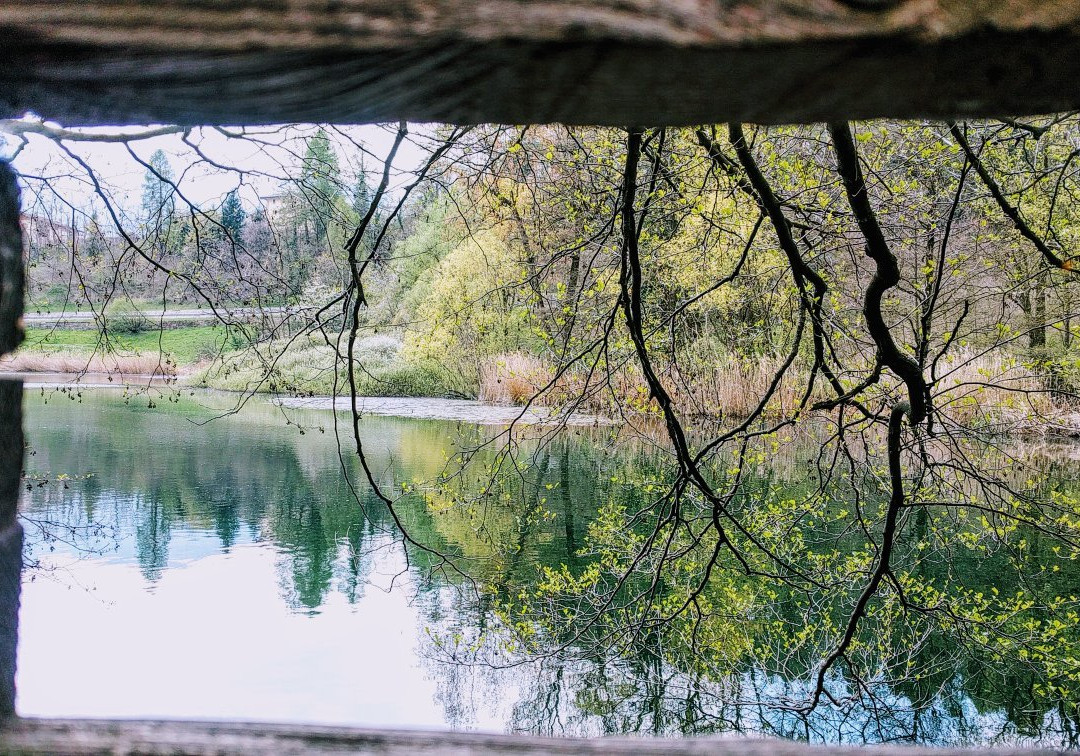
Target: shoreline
[(437, 408), (413, 408), (1065, 428)]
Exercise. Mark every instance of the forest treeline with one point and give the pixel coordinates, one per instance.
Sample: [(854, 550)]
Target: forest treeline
[(500, 271)]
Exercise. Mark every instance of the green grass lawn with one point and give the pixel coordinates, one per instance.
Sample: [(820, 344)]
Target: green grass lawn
[(185, 345)]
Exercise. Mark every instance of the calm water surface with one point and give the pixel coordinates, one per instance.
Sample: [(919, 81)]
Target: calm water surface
[(225, 570)]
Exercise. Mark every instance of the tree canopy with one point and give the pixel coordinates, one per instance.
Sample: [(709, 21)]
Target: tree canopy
[(888, 304)]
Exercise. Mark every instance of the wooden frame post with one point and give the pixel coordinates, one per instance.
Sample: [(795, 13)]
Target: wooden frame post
[(11, 434)]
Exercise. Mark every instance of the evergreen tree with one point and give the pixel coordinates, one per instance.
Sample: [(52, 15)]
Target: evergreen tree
[(159, 207), (94, 248), (319, 184), (158, 197), (233, 216), (361, 195), (361, 201)]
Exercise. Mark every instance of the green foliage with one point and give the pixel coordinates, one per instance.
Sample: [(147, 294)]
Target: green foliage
[(419, 378), (125, 320), (158, 195), (417, 255), (472, 308), (233, 216), (985, 599)]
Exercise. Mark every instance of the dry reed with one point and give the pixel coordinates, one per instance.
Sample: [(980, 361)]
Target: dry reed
[(82, 362)]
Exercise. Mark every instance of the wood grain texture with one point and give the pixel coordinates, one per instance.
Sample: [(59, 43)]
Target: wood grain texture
[(48, 736), (11, 546), (359, 25), (86, 62), (12, 275), (11, 534)]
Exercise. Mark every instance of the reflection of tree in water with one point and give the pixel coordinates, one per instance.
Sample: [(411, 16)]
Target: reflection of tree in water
[(153, 528), (938, 682), (951, 679), (616, 696), (223, 480), (244, 479), (227, 522), (306, 570), (67, 520)]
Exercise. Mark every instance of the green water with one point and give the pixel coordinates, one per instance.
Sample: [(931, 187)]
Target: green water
[(238, 569)]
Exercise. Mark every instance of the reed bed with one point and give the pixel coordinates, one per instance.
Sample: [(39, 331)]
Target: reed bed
[(83, 362)]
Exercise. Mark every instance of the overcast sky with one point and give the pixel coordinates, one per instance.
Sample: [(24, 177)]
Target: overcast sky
[(257, 165)]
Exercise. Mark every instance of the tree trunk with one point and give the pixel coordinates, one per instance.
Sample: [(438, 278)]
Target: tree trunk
[(1037, 315)]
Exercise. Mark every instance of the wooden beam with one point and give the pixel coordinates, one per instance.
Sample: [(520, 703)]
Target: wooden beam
[(86, 62), (12, 275), (11, 535), (11, 433), (48, 736)]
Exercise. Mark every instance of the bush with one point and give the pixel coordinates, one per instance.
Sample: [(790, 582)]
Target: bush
[(208, 349), (459, 321), (415, 378), (126, 322), (307, 367), (378, 351)]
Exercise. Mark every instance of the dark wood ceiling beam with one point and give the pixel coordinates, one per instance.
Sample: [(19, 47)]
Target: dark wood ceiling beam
[(87, 62)]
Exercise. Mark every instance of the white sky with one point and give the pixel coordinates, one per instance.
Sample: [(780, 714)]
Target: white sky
[(258, 166)]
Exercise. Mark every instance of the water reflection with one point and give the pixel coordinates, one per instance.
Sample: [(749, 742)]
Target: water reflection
[(225, 570)]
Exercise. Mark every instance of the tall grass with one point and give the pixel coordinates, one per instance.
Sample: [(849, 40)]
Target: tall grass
[(513, 378), (82, 362), (729, 386), (736, 386), (996, 391), (991, 391)]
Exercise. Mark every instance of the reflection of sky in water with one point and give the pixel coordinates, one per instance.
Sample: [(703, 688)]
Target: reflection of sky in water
[(214, 639), (246, 584), (158, 614)]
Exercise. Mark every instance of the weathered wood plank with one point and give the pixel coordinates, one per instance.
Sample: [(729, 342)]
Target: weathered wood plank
[(48, 736), (11, 433), (11, 535), (12, 274), (237, 25), (11, 546), (604, 61)]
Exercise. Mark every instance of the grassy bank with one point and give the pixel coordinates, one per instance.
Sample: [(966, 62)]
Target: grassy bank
[(992, 391), (168, 351), (306, 366), (185, 345)]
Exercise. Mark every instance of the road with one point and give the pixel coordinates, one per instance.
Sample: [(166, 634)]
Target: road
[(44, 319)]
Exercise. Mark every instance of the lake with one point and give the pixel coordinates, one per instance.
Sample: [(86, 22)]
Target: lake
[(186, 561)]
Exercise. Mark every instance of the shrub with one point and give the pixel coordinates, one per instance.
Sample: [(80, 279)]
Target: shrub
[(418, 378), (207, 349), (125, 320), (307, 367)]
